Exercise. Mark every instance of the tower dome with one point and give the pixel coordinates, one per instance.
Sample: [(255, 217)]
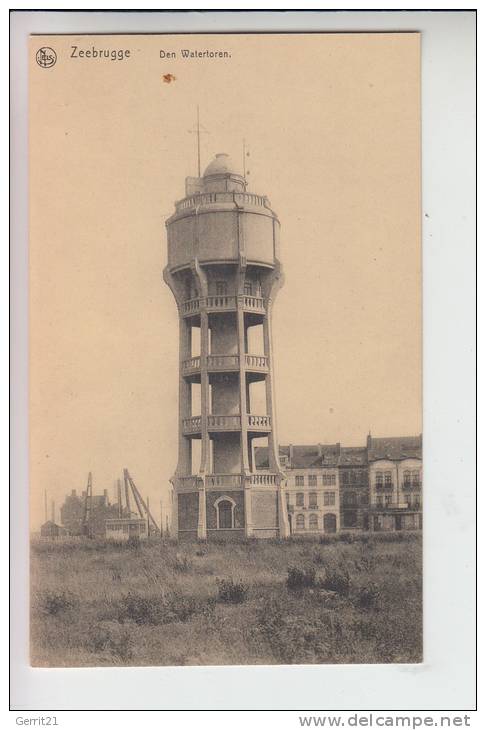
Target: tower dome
[(222, 164)]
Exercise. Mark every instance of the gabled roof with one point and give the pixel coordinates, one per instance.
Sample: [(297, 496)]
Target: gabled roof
[(320, 456), (302, 456), (353, 456), (395, 448)]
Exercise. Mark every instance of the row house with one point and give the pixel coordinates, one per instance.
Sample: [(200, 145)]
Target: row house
[(333, 488), (395, 473), (312, 488)]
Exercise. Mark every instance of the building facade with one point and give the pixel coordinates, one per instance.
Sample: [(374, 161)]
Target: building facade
[(224, 272), (312, 486), (395, 474), (73, 510), (336, 488)]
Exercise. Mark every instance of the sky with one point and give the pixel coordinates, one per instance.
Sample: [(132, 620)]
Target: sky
[(332, 125)]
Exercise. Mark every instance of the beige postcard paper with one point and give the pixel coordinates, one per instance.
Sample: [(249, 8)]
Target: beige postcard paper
[(225, 349)]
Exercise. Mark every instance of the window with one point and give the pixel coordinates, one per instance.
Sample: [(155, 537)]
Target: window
[(313, 522), (287, 498), (300, 522), (247, 288), (299, 499), (345, 478), (416, 500), (283, 460), (312, 480), (330, 523), (312, 499), (408, 499), (350, 518), (350, 498), (329, 498), (406, 478), (221, 288), (299, 481), (379, 500), (225, 514), (416, 478), (328, 480), (379, 479), (387, 500), (388, 479)]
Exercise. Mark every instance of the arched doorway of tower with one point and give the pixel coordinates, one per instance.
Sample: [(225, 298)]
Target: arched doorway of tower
[(330, 522), (225, 513)]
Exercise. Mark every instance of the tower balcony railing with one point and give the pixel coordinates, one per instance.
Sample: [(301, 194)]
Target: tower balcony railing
[(251, 303), (231, 198), (225, 422), (189, 482), (263, 479), (192, 425), (224, 480), (223, 362), (192, 365), (227, 480), (259, 423), (256, 362), (220, 363), (223, 303)]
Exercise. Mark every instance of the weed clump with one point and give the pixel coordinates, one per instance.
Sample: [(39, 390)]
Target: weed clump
[(368, 596), (299, 578), (337, 580), (54, 603), (155, 610), (231, 591)]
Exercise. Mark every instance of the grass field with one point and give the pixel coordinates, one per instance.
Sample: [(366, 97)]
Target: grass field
[(254, 602)]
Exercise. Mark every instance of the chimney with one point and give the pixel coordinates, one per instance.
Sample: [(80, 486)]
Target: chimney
[(105, 493), (368, 441), (319, 450), (53, 511), (73, 492), (291, 453)]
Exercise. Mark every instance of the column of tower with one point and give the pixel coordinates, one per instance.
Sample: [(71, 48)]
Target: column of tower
[(224, 272)]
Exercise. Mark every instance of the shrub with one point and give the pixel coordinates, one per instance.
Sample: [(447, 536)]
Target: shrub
[(368, 596), (179, 607), (137, 608), (337, 580), (159, 609), (230, 591), (298, 578), (56, 602)]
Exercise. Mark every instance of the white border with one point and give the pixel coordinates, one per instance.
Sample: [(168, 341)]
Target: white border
[(446, 679)]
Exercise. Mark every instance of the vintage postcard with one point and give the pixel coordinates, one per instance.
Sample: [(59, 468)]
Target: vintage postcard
[(225, 349)]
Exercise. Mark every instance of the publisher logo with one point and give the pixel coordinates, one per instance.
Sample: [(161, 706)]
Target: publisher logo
[(46, 57)]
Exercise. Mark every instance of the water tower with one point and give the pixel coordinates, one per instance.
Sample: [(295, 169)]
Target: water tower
[(224, 271)]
